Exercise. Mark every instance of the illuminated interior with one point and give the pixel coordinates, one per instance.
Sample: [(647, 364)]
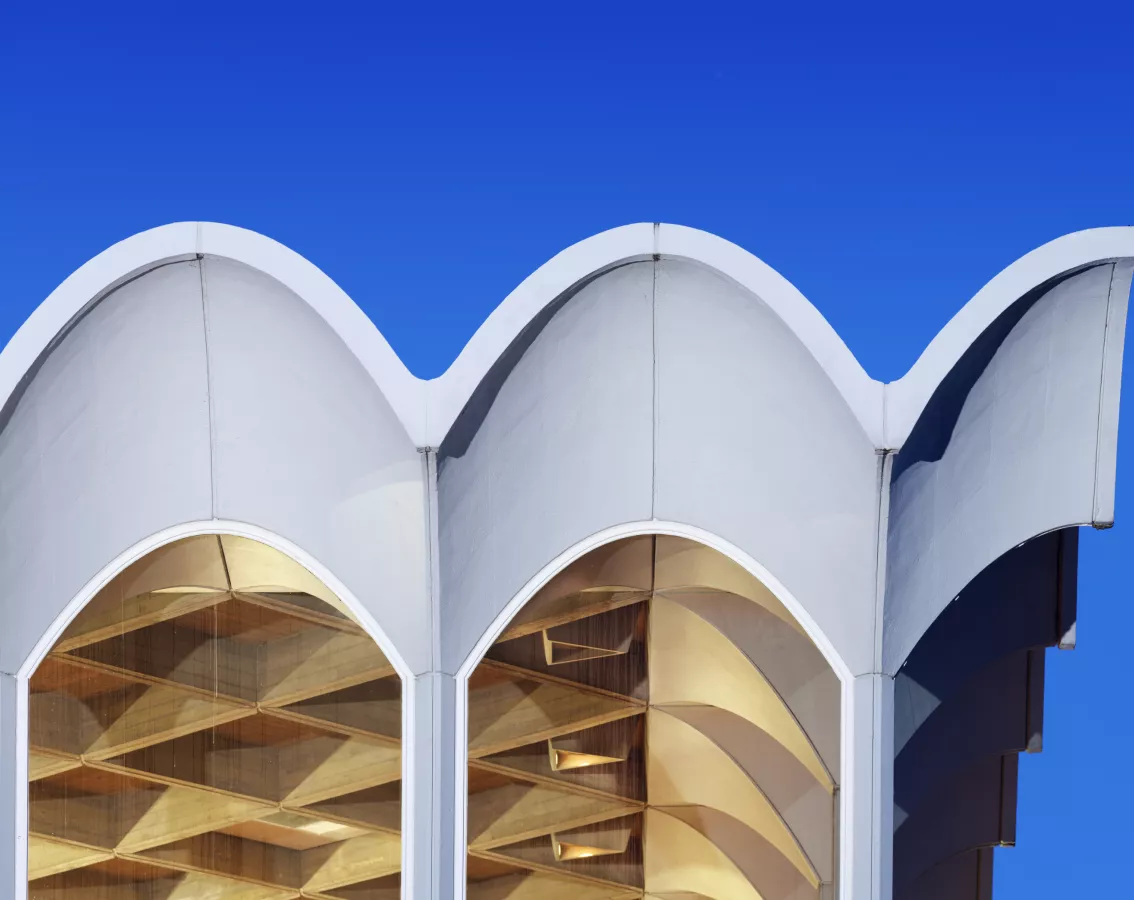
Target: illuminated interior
[(214, 725), (653, 723)]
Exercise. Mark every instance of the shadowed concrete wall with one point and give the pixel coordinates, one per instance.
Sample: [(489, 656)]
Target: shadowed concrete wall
[(1009, 447)]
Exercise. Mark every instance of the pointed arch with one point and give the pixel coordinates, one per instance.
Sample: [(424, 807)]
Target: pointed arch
[(610, 576), (233, 563)]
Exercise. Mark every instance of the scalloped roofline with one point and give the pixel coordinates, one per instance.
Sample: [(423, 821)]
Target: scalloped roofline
[(428, 408)]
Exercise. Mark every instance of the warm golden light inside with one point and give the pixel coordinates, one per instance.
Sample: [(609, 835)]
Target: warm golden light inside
[(214, 725), (653, 723)]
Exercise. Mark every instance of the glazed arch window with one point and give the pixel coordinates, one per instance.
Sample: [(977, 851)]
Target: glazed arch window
[(654, 722), (214, 724)]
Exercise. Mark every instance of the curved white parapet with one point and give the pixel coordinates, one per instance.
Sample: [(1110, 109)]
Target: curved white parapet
[(428, 409), (630, 243), (188, 240), (1019, 441), (908, 396)]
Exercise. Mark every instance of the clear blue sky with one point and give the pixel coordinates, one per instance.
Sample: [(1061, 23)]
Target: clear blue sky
[(887, 161)]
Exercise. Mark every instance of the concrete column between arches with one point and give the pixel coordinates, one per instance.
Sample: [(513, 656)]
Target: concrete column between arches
[(13, 855), (871, 828), (431, 852)]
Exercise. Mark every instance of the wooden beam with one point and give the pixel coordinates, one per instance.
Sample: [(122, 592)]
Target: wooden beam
[(233, 866), (93, 884), (161, 737), (118, 813), (197, 886), (303, 613), (351, 861), (226, 855), (521, 856), (570, 608), (181, 812), (374, 809), (500, 766), (511, 707), (360, 710), (303, 766), (317, 661), (388, 887), (158, 713), (99, 621), (199, 761), (372, 709), (542, 886), (295, 830), (168, 653), (45, 763), (514, 812), (51, 856), (78, 819), (130, 711), (326, 767), (61, 724), (499, 667)]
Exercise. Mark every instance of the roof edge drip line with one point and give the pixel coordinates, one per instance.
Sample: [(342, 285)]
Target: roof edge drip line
[(427, 409)]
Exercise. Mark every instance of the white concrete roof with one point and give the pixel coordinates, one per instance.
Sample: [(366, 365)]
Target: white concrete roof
[(428, 408)]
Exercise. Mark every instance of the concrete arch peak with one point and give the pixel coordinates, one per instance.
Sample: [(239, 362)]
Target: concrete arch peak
[(180, 241), (630, 243), (427, 409)]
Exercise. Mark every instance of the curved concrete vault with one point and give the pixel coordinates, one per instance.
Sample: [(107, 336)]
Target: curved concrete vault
[(912, 543)]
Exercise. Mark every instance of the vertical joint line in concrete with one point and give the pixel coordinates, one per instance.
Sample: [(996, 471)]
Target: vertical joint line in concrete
[(1110, 375), (885, 469), (437, 844), (1102, 387), (433, 810), (432, 555), (654, 376), (208, 379)]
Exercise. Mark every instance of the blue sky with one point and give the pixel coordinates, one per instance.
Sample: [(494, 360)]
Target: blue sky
[(888, 161)]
